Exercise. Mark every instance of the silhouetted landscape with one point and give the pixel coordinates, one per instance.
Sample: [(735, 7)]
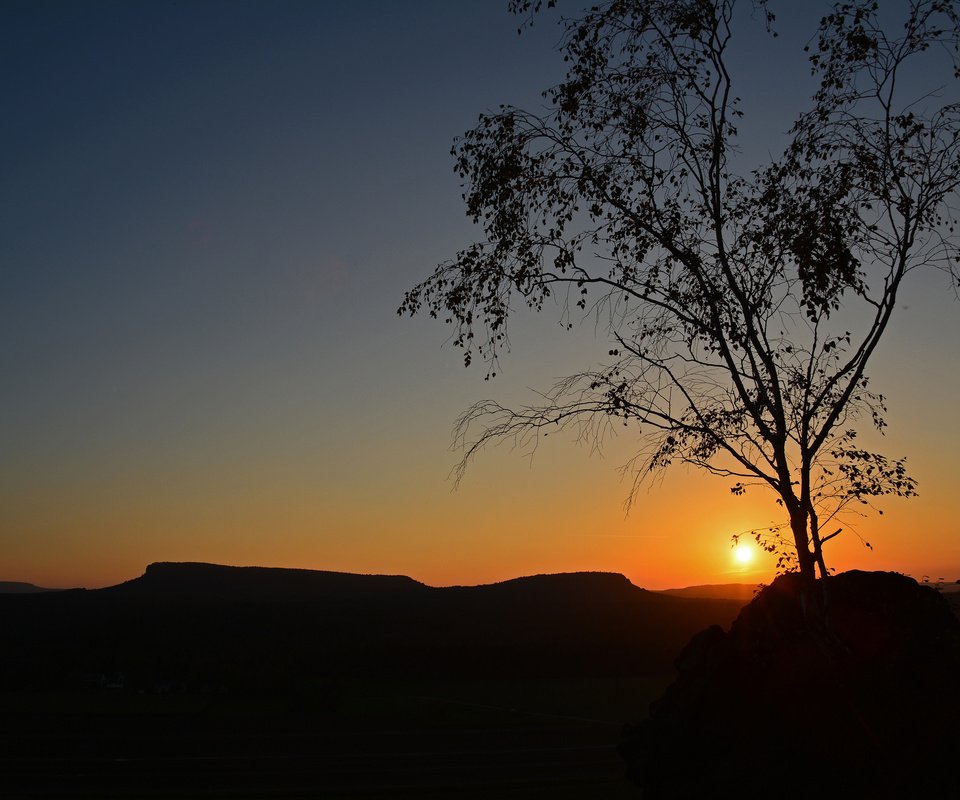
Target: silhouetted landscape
[(202, 625), (202, 679)]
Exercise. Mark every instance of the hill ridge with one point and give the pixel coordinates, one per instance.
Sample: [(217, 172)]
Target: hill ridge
[(195, 578), (197, 625), (22, 587)]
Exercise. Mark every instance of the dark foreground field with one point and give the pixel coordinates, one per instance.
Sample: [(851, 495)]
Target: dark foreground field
[(197, 681), (366, 739)]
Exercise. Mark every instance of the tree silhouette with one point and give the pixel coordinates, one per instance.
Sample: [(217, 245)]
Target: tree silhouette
[(742, 306)]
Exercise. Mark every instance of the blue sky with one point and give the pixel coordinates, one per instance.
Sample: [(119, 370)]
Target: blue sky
[(209, 212)]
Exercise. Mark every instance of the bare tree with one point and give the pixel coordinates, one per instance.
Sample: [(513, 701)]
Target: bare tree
[(727, 296)]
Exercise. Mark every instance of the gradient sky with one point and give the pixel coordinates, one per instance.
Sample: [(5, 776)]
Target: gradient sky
[(209, 212)]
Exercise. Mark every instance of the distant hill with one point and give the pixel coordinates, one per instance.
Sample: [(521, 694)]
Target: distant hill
[(17, 587), (198, 580), (743, 592), (196, 625), (946, 588)]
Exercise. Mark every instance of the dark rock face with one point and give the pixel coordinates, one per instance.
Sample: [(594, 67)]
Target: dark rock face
[(861, 701)]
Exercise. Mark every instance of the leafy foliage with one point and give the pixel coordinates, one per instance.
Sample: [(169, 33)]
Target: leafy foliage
[(726, 295)]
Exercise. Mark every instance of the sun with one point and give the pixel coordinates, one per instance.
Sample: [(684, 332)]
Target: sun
[(743, 554)]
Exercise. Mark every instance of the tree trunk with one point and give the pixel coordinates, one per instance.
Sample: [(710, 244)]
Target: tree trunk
[(805, 559), (812, 601)]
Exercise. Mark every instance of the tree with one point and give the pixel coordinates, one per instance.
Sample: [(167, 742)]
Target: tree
[(742, 307)]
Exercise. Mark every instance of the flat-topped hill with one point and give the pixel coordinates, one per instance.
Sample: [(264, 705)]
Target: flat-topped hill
[(207, 624), (198, 580)]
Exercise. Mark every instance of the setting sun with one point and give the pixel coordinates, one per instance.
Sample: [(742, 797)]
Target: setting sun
[(743, 554)]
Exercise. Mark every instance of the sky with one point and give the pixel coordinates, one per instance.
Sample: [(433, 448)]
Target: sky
[(209, 213)]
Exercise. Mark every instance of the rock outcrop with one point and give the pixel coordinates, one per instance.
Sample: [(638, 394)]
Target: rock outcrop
[(859, 700)]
